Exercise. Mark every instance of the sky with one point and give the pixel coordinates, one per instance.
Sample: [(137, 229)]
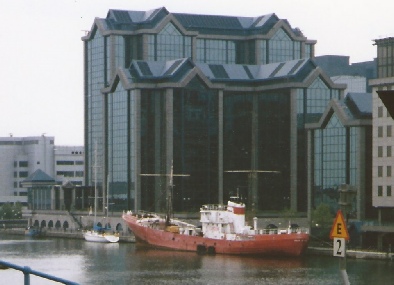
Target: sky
[(41, 51)]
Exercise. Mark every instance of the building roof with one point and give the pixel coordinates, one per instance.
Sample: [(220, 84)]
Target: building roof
[(360, 104), (354, 110), (39, 176), (176, 73), (132, 21), (157, 70)]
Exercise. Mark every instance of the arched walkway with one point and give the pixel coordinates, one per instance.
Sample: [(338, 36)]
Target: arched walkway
[(57, 225), (65, 225), (119, 227)]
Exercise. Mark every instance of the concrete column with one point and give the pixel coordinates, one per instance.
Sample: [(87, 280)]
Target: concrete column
[(61, 198), (252, 177), (309, 175), (169, 136), (53, 196), (136, 121), (158, 148), (361, 165), (293, 150), (73, 198), (220, 146)]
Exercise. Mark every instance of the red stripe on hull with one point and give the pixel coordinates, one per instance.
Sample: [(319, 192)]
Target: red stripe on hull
[(266, 244)]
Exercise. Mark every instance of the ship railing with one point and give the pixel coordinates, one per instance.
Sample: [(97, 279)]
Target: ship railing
[(27, 271), (146, 214), (214, 207), (283, 231)]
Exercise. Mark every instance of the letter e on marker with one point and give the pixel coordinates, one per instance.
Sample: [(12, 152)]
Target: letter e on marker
[(339, 229)]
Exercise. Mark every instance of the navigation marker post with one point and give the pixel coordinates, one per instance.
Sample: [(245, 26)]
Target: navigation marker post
[(339, 234)]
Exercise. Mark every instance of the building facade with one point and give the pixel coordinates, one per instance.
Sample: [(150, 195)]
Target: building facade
[(23, 157), (70, 165), (20, 157), (383, 124), (218, 98), (355, 75), (340, 152)]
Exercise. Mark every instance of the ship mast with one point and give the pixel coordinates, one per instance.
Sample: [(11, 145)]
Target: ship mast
[(252, 176), (95, 183), (170, 188)]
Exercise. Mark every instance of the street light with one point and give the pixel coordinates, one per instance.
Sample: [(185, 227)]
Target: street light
[(346, 196)]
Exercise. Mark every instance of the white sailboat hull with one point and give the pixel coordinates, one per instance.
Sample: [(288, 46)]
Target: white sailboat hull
[(100, 237)]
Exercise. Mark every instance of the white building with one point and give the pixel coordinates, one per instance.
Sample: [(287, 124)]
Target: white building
[(22, 156), (69, 164), (383, 124)]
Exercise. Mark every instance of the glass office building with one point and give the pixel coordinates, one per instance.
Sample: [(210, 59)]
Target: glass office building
[(340, 152), (218, 98)]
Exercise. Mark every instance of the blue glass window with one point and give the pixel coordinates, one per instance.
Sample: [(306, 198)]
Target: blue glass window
[(118, 146), (97, 75), (330, 166), (169, 44), (281, 48), (215, 51), (318, 95)]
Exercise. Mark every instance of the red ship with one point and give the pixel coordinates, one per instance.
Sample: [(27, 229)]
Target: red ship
[(223, 231)]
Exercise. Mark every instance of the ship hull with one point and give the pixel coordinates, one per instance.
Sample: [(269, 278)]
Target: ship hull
[(261, 244), (97, 237)]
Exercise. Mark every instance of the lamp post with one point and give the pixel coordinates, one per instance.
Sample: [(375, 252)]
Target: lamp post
[(346, 196)]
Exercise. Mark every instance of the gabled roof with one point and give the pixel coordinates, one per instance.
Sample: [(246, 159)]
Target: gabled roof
[(237, 72), (360, 104), (158, 69), (354, 110), (175, 73), (123, 21), (38, 177)]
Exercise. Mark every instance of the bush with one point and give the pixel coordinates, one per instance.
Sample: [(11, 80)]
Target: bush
[(322, 216), (11, 212)]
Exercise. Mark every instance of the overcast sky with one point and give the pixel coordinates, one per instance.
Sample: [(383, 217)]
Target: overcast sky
[(41, 55)]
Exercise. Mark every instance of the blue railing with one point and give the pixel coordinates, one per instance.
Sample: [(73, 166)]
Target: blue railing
[(27, 271)]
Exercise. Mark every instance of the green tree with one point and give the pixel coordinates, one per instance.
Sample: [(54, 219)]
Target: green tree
[(322, 216), (10, 212)]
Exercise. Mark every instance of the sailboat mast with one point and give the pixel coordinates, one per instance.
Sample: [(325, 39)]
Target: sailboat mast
[(169, 195), (107, 202), (95, 183)]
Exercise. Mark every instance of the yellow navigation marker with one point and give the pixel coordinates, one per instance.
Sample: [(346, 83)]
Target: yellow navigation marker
[(339, 229)]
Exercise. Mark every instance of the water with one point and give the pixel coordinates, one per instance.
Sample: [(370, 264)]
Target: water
[(127, 263)]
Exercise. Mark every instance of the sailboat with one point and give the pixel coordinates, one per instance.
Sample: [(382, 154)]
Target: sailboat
[(223, 231), (99, 234)]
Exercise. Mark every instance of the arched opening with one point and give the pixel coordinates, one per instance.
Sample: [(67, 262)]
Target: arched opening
[(65, 225), (119, 227), (43, 224), (36, 223), (50, 224), (57, 225)]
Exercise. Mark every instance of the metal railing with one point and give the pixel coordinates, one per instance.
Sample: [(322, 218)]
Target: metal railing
[(27, 271)]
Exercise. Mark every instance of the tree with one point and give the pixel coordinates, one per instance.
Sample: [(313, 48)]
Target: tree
[(11, 212), (322, 216)]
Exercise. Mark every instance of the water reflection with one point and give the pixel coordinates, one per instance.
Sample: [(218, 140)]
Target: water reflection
[(123, 263)]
